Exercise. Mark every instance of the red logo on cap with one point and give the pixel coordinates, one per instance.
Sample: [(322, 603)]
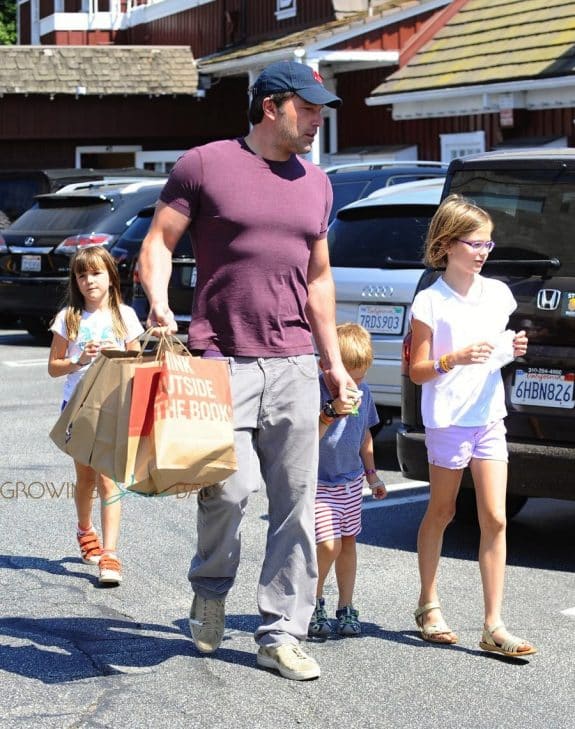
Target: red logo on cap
[(317, 77)]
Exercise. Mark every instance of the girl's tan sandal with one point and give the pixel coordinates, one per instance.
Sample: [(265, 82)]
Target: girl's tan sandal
[(510, 645), (438, 632)]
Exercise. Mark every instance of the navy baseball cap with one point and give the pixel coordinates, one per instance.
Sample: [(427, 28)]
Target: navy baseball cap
[(292, 76)]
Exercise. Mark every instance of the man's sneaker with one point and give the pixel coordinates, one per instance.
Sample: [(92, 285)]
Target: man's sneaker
[(319, 626), (110, 570), (347, 621), (290, 660), (90, 547), (207, 618)]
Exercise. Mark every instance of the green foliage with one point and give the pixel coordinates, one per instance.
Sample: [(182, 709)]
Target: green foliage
[(7, 22)]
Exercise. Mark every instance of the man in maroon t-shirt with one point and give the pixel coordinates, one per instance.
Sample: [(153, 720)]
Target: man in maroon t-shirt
[(258, 217)]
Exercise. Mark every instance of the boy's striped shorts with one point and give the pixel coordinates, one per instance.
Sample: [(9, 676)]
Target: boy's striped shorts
[(338, 510)]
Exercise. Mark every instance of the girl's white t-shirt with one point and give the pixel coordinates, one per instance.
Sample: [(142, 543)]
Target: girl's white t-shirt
[(94, 326), (468, 395)]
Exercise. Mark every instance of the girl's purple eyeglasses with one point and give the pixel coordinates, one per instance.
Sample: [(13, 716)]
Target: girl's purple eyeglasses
[(477, 245)]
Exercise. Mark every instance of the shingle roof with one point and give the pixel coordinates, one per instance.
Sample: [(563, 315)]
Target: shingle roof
[(97, 70), (490, 41), (323, 35)]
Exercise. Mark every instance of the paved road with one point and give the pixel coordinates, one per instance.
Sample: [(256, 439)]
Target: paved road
[(75, 655)]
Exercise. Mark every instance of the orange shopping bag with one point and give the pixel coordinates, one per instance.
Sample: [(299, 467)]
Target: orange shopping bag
[(180, 435)]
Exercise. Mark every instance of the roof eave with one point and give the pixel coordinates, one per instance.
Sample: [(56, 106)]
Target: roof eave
[(463, 91), (344, 60)]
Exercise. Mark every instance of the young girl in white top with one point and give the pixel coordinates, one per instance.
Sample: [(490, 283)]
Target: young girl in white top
[(94, 319), (459, 342)]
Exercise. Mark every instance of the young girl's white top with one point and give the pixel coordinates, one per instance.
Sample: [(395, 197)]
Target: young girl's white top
[(468, 395), (94, 326)]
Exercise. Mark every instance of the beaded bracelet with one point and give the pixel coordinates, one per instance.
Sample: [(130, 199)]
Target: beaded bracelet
[(444, 363), (437, 368), (377, 485), (441, 365)]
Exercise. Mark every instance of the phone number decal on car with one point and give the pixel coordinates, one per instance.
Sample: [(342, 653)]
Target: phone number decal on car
[(543, 388), (379, 319)]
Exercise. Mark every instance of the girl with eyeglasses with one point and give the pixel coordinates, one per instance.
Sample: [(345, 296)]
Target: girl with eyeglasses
[(459, 343)]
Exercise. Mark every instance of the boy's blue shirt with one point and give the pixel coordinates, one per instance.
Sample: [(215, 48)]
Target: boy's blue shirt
[(339, 458)]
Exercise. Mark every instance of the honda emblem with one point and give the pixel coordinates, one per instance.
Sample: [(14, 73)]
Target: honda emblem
[(548, 299)]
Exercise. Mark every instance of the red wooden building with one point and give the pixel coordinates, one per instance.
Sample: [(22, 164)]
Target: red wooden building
[(117, 97)]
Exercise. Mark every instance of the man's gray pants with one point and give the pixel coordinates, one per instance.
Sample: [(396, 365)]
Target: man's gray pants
[(276, 407)]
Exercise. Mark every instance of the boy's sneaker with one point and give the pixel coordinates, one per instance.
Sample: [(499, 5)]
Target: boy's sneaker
[(319, 626), (347, 621), (207, 619), (110, 570), (90, 547), (290, 660)]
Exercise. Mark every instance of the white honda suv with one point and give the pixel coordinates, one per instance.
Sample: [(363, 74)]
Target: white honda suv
[(376, 249)]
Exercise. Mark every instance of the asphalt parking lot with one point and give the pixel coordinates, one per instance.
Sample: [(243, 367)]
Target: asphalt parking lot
[(76, 655)]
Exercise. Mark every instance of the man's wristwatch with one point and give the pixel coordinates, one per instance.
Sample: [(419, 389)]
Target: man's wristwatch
[(328, 410)]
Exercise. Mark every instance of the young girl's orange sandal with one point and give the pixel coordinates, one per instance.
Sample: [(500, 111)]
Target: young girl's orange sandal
[(510, 646)]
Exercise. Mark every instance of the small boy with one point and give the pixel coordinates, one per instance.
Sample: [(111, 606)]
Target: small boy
[(345, 459)]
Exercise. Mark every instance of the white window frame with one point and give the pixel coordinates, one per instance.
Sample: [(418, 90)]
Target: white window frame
[(285, 9), (460, 145), (159, 158)]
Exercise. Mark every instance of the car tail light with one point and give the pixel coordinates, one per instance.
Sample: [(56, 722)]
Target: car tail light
[(84, 240), (3, 246), (406, 354)]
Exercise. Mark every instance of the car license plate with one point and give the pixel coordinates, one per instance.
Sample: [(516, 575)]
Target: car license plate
[(380, 319), (543, 388), (31, 263)]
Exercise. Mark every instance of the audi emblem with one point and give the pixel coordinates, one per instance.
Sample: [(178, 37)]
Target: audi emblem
[(29, 241), (377, 292), (548, 299)]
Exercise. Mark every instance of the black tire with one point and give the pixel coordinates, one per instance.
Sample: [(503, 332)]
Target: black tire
[(386, 415), (7, 320), (466, 511), (375, 429), (38, 328)]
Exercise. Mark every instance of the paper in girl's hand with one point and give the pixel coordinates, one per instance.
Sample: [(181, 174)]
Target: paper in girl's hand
[(502, 353)]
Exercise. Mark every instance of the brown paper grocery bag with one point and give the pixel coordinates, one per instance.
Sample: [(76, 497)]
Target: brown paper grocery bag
[(110, 398), (140, 455), (186, 434), (90, 428), (76, 428)]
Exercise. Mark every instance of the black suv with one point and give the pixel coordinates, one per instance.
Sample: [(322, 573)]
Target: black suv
[(35, 250), (530, 195), (357, 180), (18, 188), (182, 281)]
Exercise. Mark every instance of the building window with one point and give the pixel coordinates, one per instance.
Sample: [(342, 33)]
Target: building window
[(460, 145), (107, 156), (286, 9), (159, 160)]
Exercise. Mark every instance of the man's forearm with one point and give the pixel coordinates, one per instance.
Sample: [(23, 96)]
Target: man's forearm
[(155, 268), (321, 316)]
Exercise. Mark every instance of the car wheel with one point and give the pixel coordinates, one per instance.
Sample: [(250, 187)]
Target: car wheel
[(38, 328), (466, 510), (385, 415), (7, 320)]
